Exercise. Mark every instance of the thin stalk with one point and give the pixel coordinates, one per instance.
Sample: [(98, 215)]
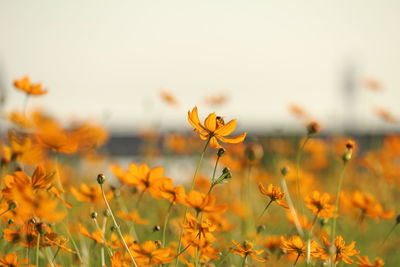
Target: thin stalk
[(25, 104), (223, 259), (37, 250), (74, 244), (213, 175), (46, 252), (309, 239), (55, 255), (291, 208), (336, 211), (191, 187), (166, 223), (388, 234), (140, 198), (297, 258), (298, 161), (244, 261), (117, 226), (265, 209)]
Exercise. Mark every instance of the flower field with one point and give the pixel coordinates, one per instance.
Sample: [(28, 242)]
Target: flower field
[(313, 200)]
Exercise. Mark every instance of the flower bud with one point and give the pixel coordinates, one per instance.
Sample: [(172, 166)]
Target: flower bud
[(254, 152), (156, 228), (398, 219), (313, 128), (12, 205), (285, 171), (41, 228), (10, 221), (106, 213), (101, 178), (93, 215), (227, 173), (220, 152)]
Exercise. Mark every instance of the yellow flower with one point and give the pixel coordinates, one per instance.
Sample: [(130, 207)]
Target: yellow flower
[(214, 129)]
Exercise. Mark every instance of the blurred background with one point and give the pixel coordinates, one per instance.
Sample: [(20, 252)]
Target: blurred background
[(270, 64)]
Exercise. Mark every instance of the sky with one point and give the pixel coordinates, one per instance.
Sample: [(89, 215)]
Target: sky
[(108, 60)]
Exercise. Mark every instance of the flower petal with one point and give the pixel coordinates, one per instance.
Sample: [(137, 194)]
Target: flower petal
[(227, 129), (233, 140), (211, 122)]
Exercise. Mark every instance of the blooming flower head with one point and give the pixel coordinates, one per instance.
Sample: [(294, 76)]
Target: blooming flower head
[(24, 84), (297, 247), (341, 252), (214, 129), (148, 254), (320, 205), (274, 193), (245, 250)]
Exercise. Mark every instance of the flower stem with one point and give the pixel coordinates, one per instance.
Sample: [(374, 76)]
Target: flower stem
[(338, 190), (298, 161), (165, 224), (140, 198), (117, 226), (244, 261), (265, 209), (37, 250), (336, 211), (191, 187)]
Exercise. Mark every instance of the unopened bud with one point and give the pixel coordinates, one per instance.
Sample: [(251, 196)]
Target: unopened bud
[(113, 228), (158, 243), (227, 172), (156, 228), (220, 152), (285, 171), (41, 228), (10, 221), (313, 128), (12, 205), (93, 215), (254, 152), (398, 219), (106, 213), (101, 178)]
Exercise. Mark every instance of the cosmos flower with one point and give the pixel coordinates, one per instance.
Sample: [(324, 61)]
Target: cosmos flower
[(214, 129)]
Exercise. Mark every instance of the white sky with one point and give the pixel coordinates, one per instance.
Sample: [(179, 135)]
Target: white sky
[(108, 58)]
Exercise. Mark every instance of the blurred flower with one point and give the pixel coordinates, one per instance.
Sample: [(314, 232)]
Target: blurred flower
[(341, 252), (24, 84), (364, 262), (245, 250), (148, 254), (320, 204)]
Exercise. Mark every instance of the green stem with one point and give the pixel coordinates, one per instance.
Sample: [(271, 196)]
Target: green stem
[(140, 199), (298, 161), (265, 209), (244, 261), (166, 223), (191, 187), (117, 226), (388, 234), (37, 250), (336, 210), (74, 244)]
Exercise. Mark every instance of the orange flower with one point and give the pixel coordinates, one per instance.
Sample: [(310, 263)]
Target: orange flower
[(274, 193), (118, 259), (214, 129), (297, 247), (199, 230), (133, 217), (172, 194), (367, 204), (141, 177), (11, 260), (320, 205), (148, 254), (24, 84), (341, 251), (90, 194), (364, 262), (97, 236), (245, 250), (203, 202)]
